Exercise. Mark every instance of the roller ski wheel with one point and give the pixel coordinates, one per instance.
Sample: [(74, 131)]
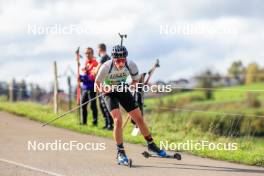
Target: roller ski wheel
[(126, 163), (130, 163), (146, 154), (177, 156), (168, 156)]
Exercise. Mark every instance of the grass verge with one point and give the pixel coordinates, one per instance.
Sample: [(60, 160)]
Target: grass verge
[(165, 127)]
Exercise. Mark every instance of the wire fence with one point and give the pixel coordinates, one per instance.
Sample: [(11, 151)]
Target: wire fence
[(22, 91)]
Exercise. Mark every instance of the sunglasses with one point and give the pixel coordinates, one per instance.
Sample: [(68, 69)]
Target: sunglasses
[(88, 53), (119, 55), (118, 61)]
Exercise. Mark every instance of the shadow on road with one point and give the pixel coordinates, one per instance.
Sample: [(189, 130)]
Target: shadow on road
[(204, 167)]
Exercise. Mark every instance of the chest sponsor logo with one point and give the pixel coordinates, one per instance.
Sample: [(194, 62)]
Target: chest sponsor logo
[(118, 75)]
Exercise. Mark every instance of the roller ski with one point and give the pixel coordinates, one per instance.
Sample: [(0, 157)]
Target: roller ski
[(122, 159), (154, 151)]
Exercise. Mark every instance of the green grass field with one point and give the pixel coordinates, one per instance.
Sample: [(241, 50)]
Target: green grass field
[(180, 126), (235, 93)]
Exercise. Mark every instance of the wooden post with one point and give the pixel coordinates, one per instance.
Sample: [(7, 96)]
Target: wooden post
[(32, 93), (78, 90), (69, 93), (55, 91), (11, 91)]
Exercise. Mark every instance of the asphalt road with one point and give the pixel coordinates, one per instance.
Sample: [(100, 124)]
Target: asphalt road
[(16, 159)]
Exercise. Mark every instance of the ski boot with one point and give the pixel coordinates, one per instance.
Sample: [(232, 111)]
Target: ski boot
[(122, 159), (152, 147)]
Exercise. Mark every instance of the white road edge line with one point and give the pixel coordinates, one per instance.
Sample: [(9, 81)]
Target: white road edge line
[(29, 167)]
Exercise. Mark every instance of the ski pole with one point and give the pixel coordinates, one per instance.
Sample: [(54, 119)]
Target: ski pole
[(125, 123), (141, 80), (73, 109), (150, 73)]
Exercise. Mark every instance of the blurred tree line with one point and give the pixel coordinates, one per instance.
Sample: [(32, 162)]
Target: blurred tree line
[(21, 91), (237, 74), (252, 73)]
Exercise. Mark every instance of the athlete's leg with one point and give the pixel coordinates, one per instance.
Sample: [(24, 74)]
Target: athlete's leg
[(129, 104), (112, 104), (118, 136), (117, 118), (136, 115)]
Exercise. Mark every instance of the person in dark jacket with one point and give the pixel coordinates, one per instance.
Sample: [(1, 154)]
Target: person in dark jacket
[(107, 116)]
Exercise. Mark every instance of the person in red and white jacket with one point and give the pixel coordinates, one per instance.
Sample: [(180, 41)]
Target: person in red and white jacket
[(87, 79)]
